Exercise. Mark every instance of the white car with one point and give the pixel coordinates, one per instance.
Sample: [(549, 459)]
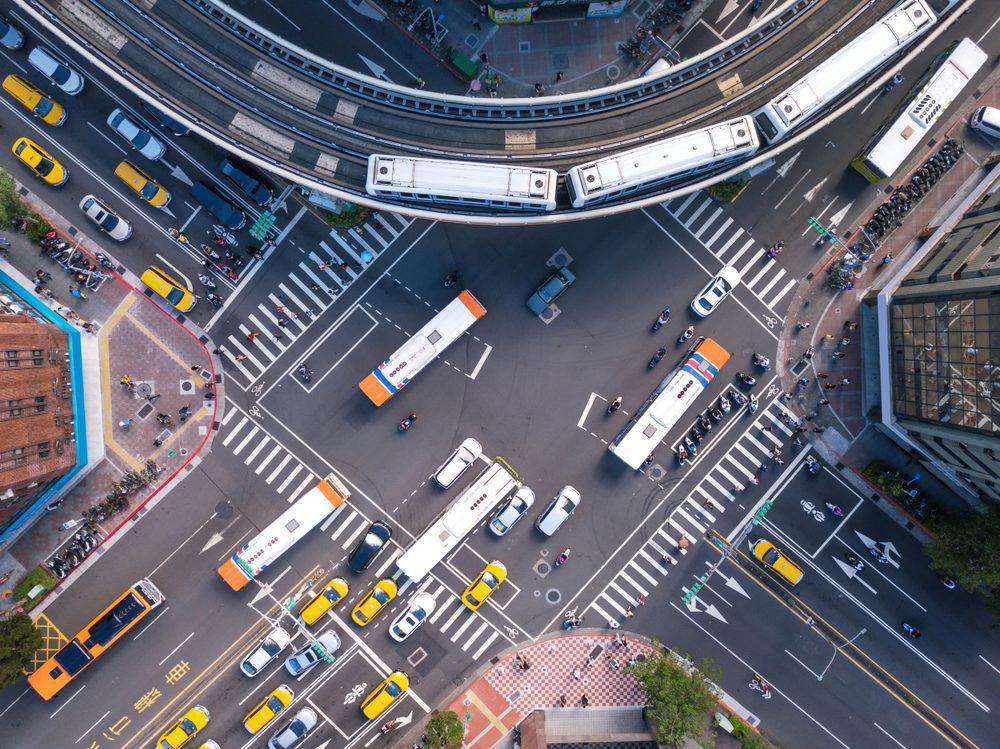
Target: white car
[(717, 289), (512, 510), (268, 649), (289, 735), (420, 607), (560, 508), (141, 140), (304, 660), (450, 471), (61, 75), (107, 220)]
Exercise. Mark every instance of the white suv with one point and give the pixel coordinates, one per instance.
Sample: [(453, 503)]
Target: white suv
[(450, 471), (268, 649)]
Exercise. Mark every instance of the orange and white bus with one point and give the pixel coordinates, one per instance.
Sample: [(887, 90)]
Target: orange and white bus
[(308, 511), (124, 613), (393, 374), (665, 405)]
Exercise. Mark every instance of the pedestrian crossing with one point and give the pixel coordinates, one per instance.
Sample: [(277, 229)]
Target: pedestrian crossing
[(731, 244), (773, 429), (289, 477), (295, 301)]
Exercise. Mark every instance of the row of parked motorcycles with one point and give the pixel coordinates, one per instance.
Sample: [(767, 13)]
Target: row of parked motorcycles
[(72, 555), (74, 261)]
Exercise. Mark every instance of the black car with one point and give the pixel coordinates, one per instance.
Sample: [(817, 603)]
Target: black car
[(248, 179), (165, 120), (225, 212), (374, 540)]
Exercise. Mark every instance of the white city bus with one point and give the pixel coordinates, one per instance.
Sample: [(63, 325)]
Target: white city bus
[(668, 402), (406, 362), (892, 144), (843, 69), (491, 486), (307, 512)]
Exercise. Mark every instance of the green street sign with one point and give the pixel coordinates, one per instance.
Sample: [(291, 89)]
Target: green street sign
[(263, 225), (816, 225), (759, 515)]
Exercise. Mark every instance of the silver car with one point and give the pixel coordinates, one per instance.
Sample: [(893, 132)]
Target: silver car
[(292, 732), (268, 649), (107, 220), (560, 508), (512, 510), (141, 140), (63, 76), (304, 660)]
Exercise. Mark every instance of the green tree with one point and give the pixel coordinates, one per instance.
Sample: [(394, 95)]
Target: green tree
[(967, 547), (19, 639), (677, 700), (444, 730), (10, 204)]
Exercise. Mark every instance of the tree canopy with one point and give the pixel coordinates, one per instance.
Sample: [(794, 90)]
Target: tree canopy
[(444, 730), (967, 547), (19, 639), (677, 700)]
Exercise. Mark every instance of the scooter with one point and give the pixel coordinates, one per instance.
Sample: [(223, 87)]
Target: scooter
[(746, 379), (562, 558), (571, 623), (878, 555), (856, 563), (911, 630), (104, 260), (407, 422), (304, 372), (696, 435), (776, 250), (682, 455), (614, 405), (761, 361), (724, 404), (452, 278), (691, 446), (657, 357), (813, 464), (752, 405), (688, 332), (835, 510), (737, 396), (661, 320), (207, 281), (214, 299), (716, 414), (705, 423)]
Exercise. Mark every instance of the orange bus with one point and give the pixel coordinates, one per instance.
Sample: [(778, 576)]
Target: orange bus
[(124, 613)]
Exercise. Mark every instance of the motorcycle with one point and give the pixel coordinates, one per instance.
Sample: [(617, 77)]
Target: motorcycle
[(562, 558), (682, 455), (752, 405), (737, 396), (724, 404), (856, 563), (214, 299), (761, 361), (688, 332), (776, 250), (813, 465), (304, 372), (452, 278), (407, 422), (835, 510), (878, 555), (660, 321), (614, 405), (691, 446), (207, 281), (911, 630), (705, 423), (746, 379), (209, 252), (716, 414), (105, 260), (657, 357)]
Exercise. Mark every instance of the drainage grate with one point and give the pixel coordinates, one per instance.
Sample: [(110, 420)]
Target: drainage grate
[(524, 46)]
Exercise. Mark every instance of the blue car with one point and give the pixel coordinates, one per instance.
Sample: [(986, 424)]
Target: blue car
[(225, 212)]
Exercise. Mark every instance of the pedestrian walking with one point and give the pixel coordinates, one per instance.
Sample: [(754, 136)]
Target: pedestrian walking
[(484, 58), (762, 468), (314, 287), (788, 396), (824, 401), (475, 22), (808, 353), (819, 430), (641, 600), (839, 354), (798, 442), (344, 265), (539, 89), (282, 322), (195, 367), (754, 480), (219, 351), (829, 337), (803, 381), (887, 259), (584, 701), (802, 429), (830, 386), (613, 624), (853, 325), (844, 381), (629, 613), (293, 315), (152, 397), (559, 76), (241, 357), (157, 443), (736, 490), (822, 376), (322, 267), (844, 342), (803, 326), (577, 673), (767, 428), (252, 336), (279, 309), (562, 700), (276, 336), (779, 461)]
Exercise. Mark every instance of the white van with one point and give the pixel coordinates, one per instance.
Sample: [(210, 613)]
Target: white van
[(986, 120), (450, 471)]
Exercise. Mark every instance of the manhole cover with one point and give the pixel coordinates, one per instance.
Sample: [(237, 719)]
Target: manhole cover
[(224, 510), (614, 72), (524, 46), (143, 390), (146, 410), (187, 386), (552, 595), (542, 568)]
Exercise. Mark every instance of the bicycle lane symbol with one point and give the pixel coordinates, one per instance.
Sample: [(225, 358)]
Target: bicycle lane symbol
[(255, 412)]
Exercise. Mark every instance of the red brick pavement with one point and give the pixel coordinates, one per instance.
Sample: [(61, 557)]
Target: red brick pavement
[(503, 695)]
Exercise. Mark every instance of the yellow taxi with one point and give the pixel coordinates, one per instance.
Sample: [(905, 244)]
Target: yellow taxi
[(769, 555), (48, 110), (142, 184), (268, 709), (374, 601), (185, 729), (483, 586), (168, 287), (385, 694), (38, 160), (329, 596)]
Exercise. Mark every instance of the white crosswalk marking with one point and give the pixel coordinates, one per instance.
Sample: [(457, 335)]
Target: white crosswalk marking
[(731, 244), (695, 514)]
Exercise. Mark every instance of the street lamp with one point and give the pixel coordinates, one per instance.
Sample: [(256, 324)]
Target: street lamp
[(836, 649)]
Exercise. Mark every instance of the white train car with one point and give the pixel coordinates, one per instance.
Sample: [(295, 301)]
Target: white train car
[(464, 183), (843, 69), (667, 160)]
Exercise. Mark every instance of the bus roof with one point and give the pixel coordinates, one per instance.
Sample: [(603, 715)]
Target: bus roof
[(442, 177)]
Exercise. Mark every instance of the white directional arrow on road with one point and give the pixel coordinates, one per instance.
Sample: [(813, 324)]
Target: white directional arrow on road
[(377, 70), (212, 541), (836, 218), (812, 193), (786, 167), (851, 572), (709, 609), (731, 7), (732, 583), (177, 172), (871, 543)]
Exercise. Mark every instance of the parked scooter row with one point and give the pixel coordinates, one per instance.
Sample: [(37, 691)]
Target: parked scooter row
[(83, 542), (889, 215)]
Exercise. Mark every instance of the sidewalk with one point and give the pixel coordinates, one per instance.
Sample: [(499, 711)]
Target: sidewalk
[(127, 333)]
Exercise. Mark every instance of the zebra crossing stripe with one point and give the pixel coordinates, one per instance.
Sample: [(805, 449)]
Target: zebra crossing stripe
[(701, 209), (683, 207), (310, 479), (655, 561), (385, 564), (328, 273), (653, 581), (739, 466), (268, 459), (733, 481), (236, 430), (750, 456), (378, 237), (725, 247), (474, 636), (289, 478), (354, 534), (482, 648), (451, 619), (613, 603), (633, 583), (708, 223), (278, 470), (777, 277), (229, 416), (621, 590), (726, 224), (673, 523), (698, 526), (338, 259), (256, 451), (602, 612), (442, 605), (341, 527), (250, 436), (473, 616), (345, 245), (787, 287), (763, 448)]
